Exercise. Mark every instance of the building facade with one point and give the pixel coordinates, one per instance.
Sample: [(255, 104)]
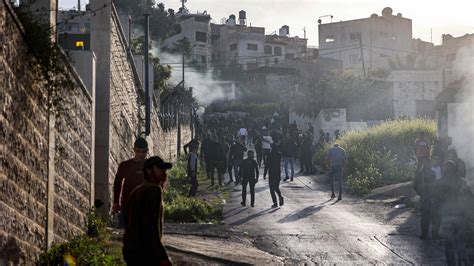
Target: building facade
[(367, 44)]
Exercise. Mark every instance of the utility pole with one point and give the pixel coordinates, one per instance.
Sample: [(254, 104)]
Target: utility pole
[(362, 55), (147, 77)]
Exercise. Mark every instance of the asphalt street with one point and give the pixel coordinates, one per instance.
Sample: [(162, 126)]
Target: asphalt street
[(312, 228)]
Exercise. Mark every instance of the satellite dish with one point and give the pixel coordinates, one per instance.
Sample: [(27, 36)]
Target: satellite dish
[(387, 11), (319, 21)]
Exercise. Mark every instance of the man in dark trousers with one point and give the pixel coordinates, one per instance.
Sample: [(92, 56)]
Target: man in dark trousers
[(248, 173), (289, 152), (337, 162), (451, 199), (236, 156), (274, 175), (204, 154), (142, 243), (425, 179), (192, 170), (129, 176), (216, 159)]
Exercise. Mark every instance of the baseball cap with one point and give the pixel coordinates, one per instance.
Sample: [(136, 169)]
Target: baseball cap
[(156, 160), (140, 143)]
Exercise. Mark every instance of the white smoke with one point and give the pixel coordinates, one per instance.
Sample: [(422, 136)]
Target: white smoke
[(206, 89), (461, 114)]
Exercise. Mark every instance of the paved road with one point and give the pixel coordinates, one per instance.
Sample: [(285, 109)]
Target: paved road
[(311, 228)]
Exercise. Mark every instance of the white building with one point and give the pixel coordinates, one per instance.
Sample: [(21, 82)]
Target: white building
[(379, 37), (197, 29)]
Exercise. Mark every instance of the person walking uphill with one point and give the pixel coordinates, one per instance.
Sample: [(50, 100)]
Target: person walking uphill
[(337, 162), (248, 173), (192, 170), (129, 175), (274, 175), (425, 179), (236, 156), (142, 244)]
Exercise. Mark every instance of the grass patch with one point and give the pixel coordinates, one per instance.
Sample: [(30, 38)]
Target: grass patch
[(97, 247), (205, 208), (381, 155)]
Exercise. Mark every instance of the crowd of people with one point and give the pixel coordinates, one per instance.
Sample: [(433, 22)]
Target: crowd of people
[(444, 195), (239, 148)]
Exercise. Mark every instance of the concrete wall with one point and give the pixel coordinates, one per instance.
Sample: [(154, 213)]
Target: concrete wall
[(412, 86), (328, 120), (46, 178)]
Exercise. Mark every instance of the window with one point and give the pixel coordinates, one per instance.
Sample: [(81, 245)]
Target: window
[(233, 47), (252, 46), (355, 36), (278, 50), (276, 61), (201, 36), (354, 59), (203, 59), (268, 49), (329, 38)]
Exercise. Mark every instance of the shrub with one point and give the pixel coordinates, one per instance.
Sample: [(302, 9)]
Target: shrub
[(180, 208), (380, 155), (84, 249)]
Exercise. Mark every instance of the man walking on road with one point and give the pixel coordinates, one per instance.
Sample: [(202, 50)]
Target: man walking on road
[(142, 243), (425, 179), (289, 151), (337, 160), (248, 172), (274, 175), (267, 142), (192, 170), (129, 176), (236, 156)]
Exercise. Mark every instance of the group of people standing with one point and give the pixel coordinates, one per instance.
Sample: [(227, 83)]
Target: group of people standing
[(444, 195)]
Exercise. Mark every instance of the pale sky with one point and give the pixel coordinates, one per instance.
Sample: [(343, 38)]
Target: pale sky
[(454, 16)]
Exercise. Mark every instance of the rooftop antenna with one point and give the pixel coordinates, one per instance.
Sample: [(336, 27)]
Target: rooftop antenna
[(78, 5), (183, 2), (304, 30)]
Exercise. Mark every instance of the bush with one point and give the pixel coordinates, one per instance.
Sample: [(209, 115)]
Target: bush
[(87, 249), (179, 207), (381, 155)]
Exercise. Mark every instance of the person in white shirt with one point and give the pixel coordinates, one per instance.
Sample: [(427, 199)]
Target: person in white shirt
[(243, 134), (437, 167), (267, 142)]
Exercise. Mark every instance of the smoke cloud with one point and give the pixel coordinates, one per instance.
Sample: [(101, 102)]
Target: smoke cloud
[(461, 114), (206, 88)]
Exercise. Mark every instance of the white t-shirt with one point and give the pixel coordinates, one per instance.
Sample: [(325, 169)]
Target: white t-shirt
[(438, 172), (243, 132), (267, 142)]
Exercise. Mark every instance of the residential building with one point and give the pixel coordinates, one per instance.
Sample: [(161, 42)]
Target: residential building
[(197, 29), (366, 44), (74, 29)]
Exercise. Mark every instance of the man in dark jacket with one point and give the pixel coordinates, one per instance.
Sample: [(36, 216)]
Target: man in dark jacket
[(289, 152), (425, 179), (451, 196), (274, 175), (216, 159), (236, 156), (142, 244), (204, 154), (248, 173)]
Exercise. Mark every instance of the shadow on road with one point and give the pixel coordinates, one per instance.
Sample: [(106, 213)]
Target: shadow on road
[(306, 212), (253, 216)]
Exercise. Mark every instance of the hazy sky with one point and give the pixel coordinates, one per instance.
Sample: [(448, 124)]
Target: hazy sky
[(453, 16)]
